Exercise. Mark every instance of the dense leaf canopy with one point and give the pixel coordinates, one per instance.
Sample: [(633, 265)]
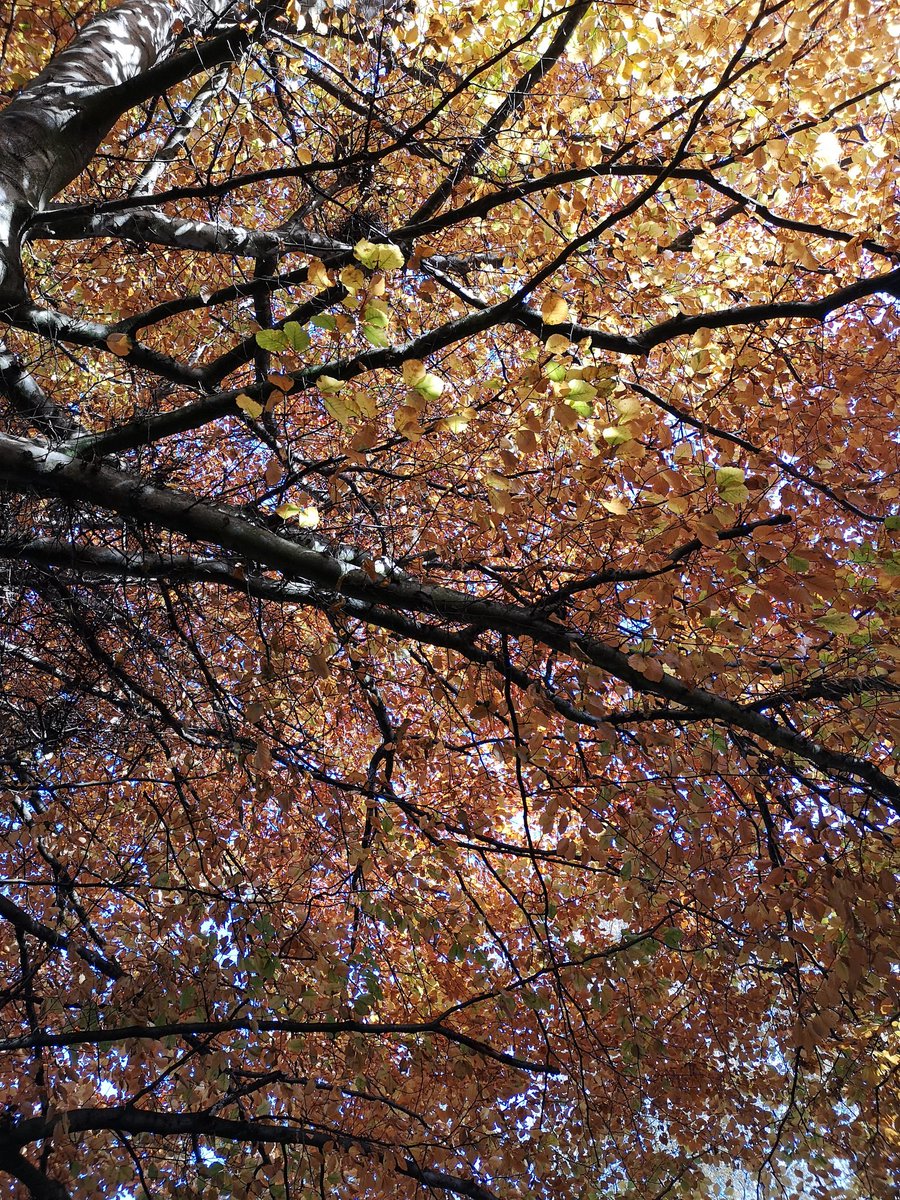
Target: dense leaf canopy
[(449, 559)]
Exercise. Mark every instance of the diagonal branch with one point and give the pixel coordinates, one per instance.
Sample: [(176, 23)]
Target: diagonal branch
[(58, 941), (506, 112), (28, 466), (210, 408), (180, 132)]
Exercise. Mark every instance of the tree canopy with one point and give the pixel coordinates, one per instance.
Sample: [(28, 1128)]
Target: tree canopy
[(450, 544)]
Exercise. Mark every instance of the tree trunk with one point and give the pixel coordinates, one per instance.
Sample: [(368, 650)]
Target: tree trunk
[(50, 132)]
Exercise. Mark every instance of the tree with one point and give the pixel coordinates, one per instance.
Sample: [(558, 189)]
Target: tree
[(450, 551)]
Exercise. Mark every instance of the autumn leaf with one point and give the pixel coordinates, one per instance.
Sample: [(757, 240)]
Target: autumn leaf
[(248, 405), (554, 310), (378, 256), (352, 279), (120, 344), (304, 515), (413, 372), (328, 385), (450, 648)]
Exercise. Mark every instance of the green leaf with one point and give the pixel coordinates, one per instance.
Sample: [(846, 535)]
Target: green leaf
[(297, 337), (730, 485), (430, 386), (248, 405), (617, 435), (378, 314), (580, 389), (342, 412), (728, 477), (324, 321), (839, 622), (376, 319), (376, 336), (717, 741), (271, 339), (892, 523)]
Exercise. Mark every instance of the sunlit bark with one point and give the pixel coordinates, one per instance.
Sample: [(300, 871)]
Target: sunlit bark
[(50, 131)]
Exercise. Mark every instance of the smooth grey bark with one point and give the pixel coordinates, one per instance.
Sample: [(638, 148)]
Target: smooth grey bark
[(52, 129), (152, 228), (180, 134)]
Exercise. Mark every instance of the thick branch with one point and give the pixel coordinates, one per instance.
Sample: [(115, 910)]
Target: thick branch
[(210, 408), (51, 130), (28, 466), (30, 401), (193, 1029), (126, 1119), (151, 228)]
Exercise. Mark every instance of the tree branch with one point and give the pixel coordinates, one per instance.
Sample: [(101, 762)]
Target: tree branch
[(28, 466), (22, 920), (199, 1124)]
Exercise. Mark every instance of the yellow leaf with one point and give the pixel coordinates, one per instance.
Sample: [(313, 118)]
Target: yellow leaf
[(406, 422), (328, 385), (248, 405), (497, 482), (342, 411), (554, 310), (430, 386), (316, 275), (617, 435), (384, 256), (628, 407), (456, 422), (353, 279), (828, 151), (319, 663), (306, 516), (366, 404)]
